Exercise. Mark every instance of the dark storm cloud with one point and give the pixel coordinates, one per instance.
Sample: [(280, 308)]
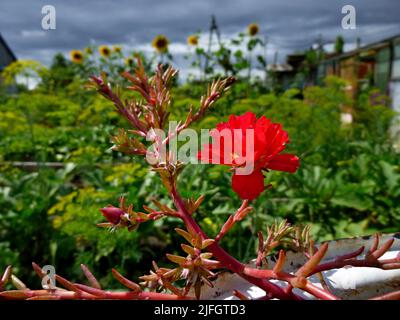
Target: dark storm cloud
[(289, 25)]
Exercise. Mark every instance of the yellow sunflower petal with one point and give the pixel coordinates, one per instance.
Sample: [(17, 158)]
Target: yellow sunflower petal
[(76, 56), (253, 29), (104, 51), (160, 43)]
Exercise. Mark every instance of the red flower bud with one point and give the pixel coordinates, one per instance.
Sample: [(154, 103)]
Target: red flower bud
[(112, 214), (97, 80)]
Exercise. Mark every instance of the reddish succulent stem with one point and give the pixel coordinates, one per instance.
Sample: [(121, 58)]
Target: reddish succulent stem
[(226, 259), (388, 296), (89, 275), (318, 292), (70, 295), (384, 264), (301, 282), (231, 221)]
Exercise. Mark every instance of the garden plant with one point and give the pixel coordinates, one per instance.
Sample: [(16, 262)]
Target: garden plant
[(203, 258)]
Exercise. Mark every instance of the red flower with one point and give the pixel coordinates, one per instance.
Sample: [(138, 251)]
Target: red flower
[(112, 214), (261, 145)]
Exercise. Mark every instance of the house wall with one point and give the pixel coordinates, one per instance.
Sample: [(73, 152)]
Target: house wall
[(394, 90), (382, 69), (5, 57), (395, 74), (349, 72)]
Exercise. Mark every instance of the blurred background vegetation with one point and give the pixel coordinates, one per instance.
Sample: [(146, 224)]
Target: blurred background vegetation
[(348, 183)]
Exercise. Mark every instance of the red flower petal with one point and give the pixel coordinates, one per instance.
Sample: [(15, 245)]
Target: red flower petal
[(284, 162), (248, 186), (245, 121), (264, 152)]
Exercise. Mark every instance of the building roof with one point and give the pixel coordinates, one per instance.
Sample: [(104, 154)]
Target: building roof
[(370, 46), (6, 55)]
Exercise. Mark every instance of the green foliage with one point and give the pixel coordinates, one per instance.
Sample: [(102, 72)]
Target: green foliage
[(348, 183), (339, 44), (373, 115), (27, 70)]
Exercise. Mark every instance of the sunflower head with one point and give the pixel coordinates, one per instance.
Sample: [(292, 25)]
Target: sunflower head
[(160, 43), (129, 61), (76, 56), (193, 40), (117, 49), (88, 50), (253, 29), (103, 75), (104, 51)]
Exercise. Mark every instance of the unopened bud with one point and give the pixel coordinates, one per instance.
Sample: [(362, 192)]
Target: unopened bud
[(112, 214)]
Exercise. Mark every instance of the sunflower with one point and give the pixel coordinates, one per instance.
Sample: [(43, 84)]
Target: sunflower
[(103, 75), (253, 29), (160, 43), (117, 49), (104, 51), (193, 40), (76, 56), (129, 61), (88, 50)]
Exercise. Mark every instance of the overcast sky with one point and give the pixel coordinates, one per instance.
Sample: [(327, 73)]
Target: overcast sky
[(288, 25)]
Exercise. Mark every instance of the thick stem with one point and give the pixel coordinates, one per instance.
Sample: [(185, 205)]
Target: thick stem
[(226, 259), (318, 292), (388, 296), (382, 264), (71, 295), (293, 280)]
